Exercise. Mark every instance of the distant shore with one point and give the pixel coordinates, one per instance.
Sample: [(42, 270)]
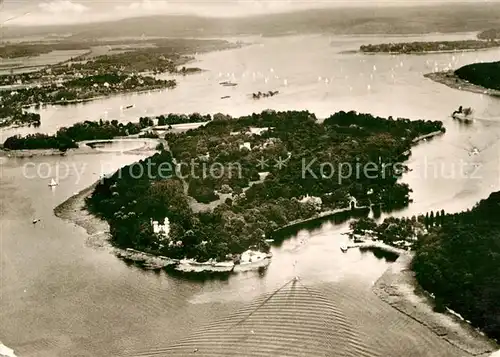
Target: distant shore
[(450, 79), (90, 99), (416, 53), (399, 288)]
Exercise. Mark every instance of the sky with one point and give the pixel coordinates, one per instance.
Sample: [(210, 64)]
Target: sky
[(55, 12)]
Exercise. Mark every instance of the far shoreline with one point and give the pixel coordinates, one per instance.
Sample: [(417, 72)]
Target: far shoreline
[(399, 288), (423, 53)]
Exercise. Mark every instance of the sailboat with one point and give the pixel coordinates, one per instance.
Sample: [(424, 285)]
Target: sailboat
[(52, 183)]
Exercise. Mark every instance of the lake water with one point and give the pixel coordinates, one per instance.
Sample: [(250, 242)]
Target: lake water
[(60, 297)]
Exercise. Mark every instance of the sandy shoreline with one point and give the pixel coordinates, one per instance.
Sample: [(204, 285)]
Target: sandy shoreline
[(399, 288), (73, 210), (450, 79)]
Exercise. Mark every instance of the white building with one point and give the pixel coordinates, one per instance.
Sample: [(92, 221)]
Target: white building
[(353, 202), (251, 256), (161, 229), (246, 145), (316, 201)]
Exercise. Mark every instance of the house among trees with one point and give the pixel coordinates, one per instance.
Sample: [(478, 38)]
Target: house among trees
[(161, 229), (246, 145), (316, 201)]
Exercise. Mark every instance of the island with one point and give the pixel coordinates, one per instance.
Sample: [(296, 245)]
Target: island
[(260, 94), (224, 188), (15, 116), (483, 78), (68, 138), (429, 47), (454, 257)]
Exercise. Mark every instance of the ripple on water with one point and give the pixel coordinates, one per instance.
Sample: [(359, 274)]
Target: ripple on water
[(295, 319), (320, 320)]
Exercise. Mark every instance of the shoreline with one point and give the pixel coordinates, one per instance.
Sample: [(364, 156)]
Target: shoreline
[(450, 79), (423, 53), (73, 210), (428, 136), (85, 100), (398, 287)]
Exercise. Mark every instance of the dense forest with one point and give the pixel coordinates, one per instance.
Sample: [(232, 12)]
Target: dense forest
[(459, 262), (255, 207), (17, 116), (485, 74), (66, 138), (172, 119)]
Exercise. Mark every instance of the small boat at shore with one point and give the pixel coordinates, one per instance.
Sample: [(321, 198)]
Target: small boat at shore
[(344, 248)]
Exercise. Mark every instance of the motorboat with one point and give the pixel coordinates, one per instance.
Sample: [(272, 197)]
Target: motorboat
[(344, 248), (462, 114), (52, 183), (228, 84)]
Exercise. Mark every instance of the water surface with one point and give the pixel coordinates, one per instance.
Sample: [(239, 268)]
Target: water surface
[(60, 297)]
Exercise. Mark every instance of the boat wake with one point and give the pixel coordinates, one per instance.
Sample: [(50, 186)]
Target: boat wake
[(296, 320)]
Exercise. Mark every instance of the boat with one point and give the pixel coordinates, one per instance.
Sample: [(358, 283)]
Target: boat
[(344, 248), (129, 106), (462, 114), (52, 183), (36, 221), (225, 97), (228, 84)]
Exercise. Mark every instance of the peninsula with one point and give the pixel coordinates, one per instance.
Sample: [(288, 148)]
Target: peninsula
[(225, 187), (483, 78), (456, 259)]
